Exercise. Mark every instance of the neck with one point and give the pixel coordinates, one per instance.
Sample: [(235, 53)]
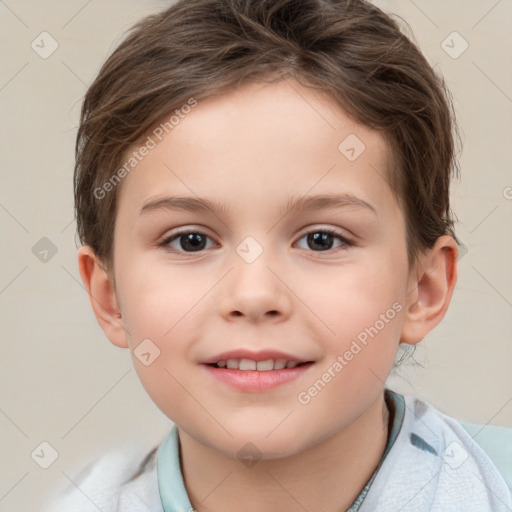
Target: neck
[(327, 476)]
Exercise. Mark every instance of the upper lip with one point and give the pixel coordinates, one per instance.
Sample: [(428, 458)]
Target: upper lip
[(260, 355)]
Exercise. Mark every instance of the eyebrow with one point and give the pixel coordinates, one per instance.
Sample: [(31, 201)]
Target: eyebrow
[(295, 204), (326, 202)]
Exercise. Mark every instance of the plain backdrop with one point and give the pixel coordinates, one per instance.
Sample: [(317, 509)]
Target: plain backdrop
[(64, 384)]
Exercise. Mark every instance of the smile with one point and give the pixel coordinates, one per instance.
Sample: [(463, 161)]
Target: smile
[(245, 375), (264, 366)]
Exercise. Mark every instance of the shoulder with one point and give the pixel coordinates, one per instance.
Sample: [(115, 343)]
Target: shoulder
[(496, 441), (488, 445), (466, 473), (436, 465), (119, 481)]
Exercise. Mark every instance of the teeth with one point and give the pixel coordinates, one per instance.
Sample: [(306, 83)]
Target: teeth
[(263, 366), (279, 364), (247, 364)]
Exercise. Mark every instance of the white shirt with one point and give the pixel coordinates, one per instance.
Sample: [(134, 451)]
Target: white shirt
[(431, 463)]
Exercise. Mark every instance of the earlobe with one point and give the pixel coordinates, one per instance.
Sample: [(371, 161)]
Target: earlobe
[(430, 290), (102, 296)]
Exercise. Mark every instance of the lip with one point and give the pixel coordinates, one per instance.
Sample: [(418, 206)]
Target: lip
[(261, 355), (256, 381)]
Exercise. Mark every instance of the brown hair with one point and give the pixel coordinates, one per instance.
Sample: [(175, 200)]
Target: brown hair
[(197, 48)]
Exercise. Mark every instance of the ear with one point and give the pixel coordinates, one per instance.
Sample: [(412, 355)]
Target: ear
[(102, 296), (430, 290)]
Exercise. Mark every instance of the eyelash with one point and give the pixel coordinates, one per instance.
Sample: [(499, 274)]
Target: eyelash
[(167, 240)]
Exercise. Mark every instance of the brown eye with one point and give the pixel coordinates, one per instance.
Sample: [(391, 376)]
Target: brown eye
[(323, 240), (186, 241)]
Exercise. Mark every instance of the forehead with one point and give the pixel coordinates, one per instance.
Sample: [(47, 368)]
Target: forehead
[(263, 142)]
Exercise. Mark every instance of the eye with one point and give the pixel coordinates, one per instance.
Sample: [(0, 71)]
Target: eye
[(322, 240), (319, 240), (186, 241)]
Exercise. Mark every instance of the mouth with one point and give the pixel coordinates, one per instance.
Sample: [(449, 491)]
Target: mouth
[(262, 366), (249, 376)]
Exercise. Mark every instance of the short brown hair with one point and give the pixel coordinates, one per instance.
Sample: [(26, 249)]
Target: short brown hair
[(197, 48)]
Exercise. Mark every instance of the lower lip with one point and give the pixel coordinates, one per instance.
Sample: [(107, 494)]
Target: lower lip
[(255, 381)]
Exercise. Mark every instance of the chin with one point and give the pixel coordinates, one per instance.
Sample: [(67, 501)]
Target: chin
[(265, 444)]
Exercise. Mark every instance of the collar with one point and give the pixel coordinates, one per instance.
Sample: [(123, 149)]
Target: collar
[(172, 489)]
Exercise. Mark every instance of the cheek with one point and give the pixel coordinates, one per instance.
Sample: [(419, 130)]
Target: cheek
[(360, 311), (351, 298), (365, 311), (165, 386), (156, 311), (156, 298)]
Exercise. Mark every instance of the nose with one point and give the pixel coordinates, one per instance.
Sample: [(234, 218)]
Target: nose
[(256, 292)]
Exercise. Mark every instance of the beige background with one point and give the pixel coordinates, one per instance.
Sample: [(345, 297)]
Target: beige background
[(65, 384)]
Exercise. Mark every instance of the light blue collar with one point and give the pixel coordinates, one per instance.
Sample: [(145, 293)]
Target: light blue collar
[(170, 480)]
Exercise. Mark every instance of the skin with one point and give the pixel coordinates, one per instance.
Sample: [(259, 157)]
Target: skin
[(253, 148)]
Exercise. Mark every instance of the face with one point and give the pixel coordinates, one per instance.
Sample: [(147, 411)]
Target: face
[(323, 282)]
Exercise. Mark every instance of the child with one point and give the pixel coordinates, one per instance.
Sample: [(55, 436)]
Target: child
[(262, 194)]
